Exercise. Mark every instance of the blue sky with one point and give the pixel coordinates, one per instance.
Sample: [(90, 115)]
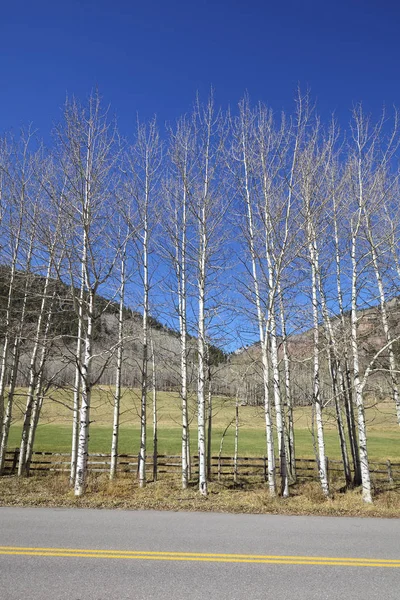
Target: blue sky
[(152, 56)]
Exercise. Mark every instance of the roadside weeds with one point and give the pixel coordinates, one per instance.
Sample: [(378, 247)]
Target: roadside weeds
[(167, 494)]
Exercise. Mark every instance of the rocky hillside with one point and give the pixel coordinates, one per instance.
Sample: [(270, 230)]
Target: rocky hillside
[(60, 363), (243, 370)]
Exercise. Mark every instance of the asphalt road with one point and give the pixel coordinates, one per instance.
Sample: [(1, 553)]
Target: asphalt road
[(68, 554)]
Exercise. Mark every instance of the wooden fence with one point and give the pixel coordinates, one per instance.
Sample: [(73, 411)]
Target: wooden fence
[(222, 468)]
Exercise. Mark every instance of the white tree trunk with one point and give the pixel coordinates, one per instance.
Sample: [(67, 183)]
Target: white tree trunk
[(180, 266), (4, 416), (155, 419), (84, 412), (291, 452), (201, 349), (345, 379), (358, 387), (143, 403), (393, 368), (38, 400), (362, 431), (280, 431), (118, 374), (33, 374), (316, 375), (260, 319), (77, 383), (236, 445), (15, 358)]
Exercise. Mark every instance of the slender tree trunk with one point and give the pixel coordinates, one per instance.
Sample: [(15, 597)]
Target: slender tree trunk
[(143, 404), (4, 418), (77, 383), (358, 387), (316, 375), (155, 424), (291, 453), (15, 360), (260, 319), (201, 350), (39, 391), (236, 446), (393, 368), (278, 404), (87, 329), (336, 389), (33, 373), (362, 432), (335, 371), (209, 420), (118, 374), (84, 412), (345, 378), (180, 261)]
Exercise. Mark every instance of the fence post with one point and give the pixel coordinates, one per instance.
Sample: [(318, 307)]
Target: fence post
[(15, 460), (155, 466), (389, 470), (219, 468), (138, 466), (265, 467), (327, 468)]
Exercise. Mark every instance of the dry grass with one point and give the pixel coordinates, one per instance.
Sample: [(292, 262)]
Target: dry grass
[(124, 493)]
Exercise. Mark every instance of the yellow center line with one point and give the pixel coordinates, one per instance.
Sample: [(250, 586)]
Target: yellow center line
[(199, 557)]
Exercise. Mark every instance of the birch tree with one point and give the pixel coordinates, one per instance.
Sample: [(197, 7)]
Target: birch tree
[(87, 157), (338, 216), (243, 153), (22, 224), (357, 173), (377, 169), (312, 166), (119, 363), (178, 187), (48, 237), (208, 209), (144, 163)]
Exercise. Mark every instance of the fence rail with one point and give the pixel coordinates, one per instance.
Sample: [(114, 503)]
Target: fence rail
[(222, 467)]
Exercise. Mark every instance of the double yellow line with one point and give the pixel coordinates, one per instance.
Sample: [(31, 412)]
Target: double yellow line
[(200, 557)]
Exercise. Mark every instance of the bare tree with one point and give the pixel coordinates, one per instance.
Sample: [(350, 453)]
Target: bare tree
[(144, 163), (208, 210), (87, 158), (49, 241), (244, 134), (360, 140), (22, 224), (178, 188), (119, 362), (312, 167)]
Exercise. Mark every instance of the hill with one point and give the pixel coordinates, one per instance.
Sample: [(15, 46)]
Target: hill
[(60, 365), (243, 370)]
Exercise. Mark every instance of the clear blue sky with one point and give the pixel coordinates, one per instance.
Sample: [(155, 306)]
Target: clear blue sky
[(152, 56)]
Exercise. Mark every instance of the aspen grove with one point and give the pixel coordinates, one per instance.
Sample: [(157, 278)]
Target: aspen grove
[(233, 228)]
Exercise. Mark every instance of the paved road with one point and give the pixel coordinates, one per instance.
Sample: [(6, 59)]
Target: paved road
[(68, 554)]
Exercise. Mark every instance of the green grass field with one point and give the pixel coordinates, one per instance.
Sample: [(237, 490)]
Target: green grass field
[(54, 431)]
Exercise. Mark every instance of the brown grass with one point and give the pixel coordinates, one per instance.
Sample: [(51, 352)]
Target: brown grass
[(124, 493)]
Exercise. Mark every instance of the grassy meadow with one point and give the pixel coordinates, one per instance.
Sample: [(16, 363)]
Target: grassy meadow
[(54, 431)]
